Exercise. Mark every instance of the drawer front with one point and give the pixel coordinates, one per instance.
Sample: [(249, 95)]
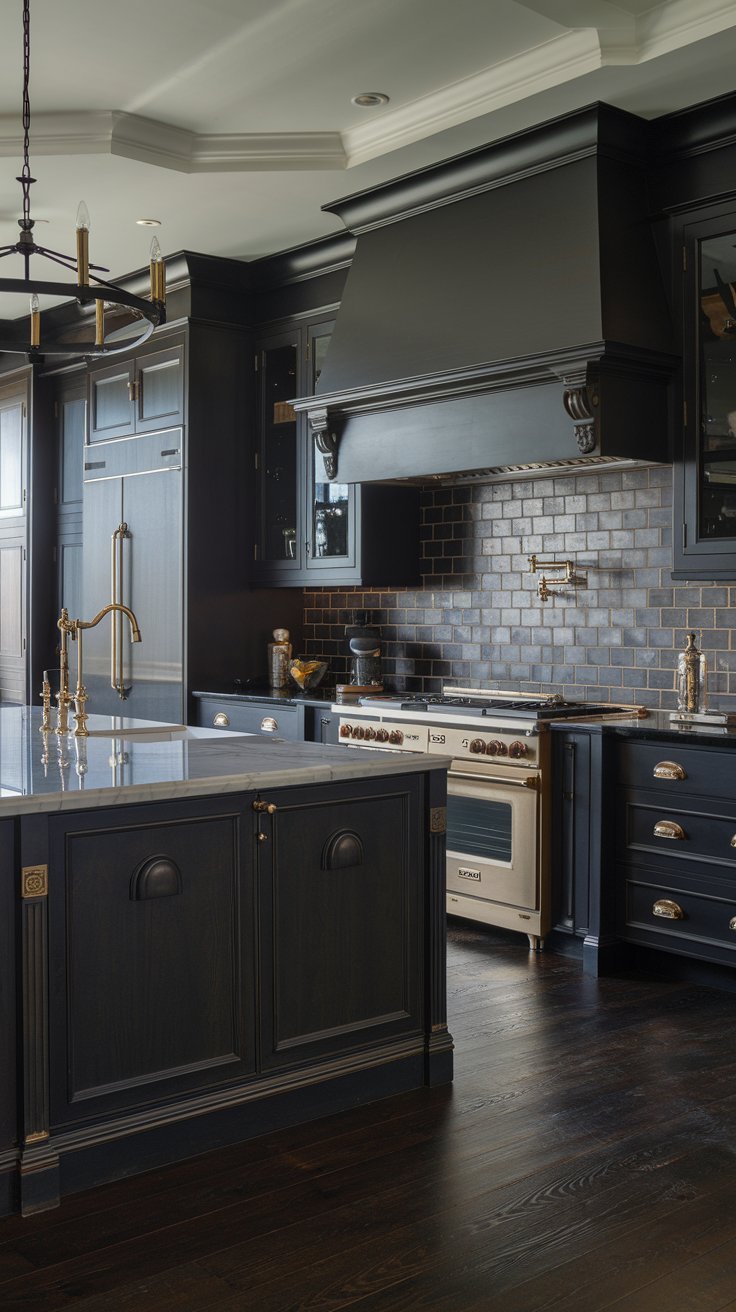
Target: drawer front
[(693, 923), (275, 721), (695, 830), (673, 770)]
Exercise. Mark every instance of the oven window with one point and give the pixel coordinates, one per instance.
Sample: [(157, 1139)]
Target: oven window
[(479, 828)]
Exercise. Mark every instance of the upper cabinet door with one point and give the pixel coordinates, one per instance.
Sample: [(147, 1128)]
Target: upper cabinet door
[(330, 520), (159, 389), (281, 532), (137, 395), (705, 546), (111, 401)]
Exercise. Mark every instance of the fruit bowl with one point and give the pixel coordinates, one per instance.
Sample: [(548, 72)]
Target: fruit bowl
[(307, 674)]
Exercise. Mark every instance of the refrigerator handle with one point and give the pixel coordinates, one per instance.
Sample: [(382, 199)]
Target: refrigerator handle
[(116, 641)]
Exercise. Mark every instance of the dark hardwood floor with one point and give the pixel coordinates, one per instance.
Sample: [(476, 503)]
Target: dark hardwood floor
[(583, 1159)]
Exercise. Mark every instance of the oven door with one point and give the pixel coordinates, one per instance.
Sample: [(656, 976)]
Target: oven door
[(493, 836)]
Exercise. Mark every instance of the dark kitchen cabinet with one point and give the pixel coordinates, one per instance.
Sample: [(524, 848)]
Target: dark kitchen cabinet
[(137, 394), (705, 477), (675, 868), (310, 530), (346, 856), (14, 581), (69, 406), (194, 972), (151, 955), (8, 1036)]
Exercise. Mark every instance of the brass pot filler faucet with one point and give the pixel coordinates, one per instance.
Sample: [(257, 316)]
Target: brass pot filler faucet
[(74, 629)]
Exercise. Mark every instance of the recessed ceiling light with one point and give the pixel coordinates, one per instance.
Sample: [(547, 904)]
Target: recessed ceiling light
[(369, 99), (149, 223)]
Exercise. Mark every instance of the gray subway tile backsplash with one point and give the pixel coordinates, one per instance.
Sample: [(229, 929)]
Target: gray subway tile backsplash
[(477, 617)]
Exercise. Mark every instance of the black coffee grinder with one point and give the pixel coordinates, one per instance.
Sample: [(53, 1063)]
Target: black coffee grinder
[(364, 643)]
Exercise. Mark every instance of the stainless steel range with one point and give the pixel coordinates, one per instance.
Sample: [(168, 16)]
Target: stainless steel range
[(498, 811)]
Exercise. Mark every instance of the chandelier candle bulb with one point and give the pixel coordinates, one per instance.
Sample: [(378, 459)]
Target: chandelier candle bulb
[(35, 321), (82, 244), (158, 272)]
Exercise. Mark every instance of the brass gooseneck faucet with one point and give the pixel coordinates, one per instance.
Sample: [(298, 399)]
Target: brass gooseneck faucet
[(75, 628)]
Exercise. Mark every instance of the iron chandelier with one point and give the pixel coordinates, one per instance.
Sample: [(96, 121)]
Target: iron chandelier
[(122, 307)]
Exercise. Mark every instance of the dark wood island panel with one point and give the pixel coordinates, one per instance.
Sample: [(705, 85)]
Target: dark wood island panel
[(196, 972)]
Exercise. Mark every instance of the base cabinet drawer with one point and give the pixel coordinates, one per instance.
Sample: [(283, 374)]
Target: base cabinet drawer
[(678, 920), (672, 770), (694, 831), (278, 721)]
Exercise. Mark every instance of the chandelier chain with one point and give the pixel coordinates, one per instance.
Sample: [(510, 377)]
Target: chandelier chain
[(25, 178)]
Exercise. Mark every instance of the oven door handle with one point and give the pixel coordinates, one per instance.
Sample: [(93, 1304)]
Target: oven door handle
[(530, 781)]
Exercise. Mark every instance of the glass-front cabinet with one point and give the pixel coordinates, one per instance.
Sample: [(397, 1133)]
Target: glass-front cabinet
[(306, 523), (705, 479), (310, 530)]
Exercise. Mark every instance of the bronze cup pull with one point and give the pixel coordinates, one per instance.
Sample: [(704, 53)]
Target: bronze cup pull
[(668, 910), (221, 720), (669, 770), (669, 829)]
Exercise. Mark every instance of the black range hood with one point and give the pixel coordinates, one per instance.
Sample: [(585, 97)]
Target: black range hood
[(504, 310)]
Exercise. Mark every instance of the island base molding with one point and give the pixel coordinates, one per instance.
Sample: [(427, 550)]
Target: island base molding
[(84, 1158)]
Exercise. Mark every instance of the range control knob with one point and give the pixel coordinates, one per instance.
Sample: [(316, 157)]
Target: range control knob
[(396, 737), (477, 746), (346, 730), (370, 733), (381, 735), (495, 748), (517, 749)]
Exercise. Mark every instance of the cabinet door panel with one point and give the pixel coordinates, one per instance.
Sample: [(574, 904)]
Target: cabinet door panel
[(350, 862), (112, 412), (149, 991), (160, 378)]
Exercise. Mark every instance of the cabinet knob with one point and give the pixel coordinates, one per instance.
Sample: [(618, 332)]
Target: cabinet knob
[(732, 923), (221, 720), (669, 910), (733, 841), (268, 807), (669, 770), (268, 724), (669, 829)]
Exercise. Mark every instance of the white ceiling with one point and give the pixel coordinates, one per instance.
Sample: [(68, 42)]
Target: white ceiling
[(231, 120)]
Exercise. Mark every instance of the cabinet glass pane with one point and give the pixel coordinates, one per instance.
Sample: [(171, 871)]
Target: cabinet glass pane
[(279, 454), (717, 433), (11, 469), (329, 528)]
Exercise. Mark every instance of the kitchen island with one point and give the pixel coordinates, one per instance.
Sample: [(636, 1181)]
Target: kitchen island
[(204, 938)]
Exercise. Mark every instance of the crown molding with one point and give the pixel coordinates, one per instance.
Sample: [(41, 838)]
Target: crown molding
[(133, 137), (560, 60)]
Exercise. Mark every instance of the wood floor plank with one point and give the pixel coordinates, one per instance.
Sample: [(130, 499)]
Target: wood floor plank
[(582, 1161)]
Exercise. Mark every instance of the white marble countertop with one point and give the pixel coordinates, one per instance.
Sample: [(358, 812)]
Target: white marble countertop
[(125, 761)]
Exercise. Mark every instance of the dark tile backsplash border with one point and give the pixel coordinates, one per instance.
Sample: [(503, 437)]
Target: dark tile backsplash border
[(477, 617)]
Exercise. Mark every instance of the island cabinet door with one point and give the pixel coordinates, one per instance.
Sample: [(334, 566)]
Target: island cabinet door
[(340, 874), (151, 965)]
